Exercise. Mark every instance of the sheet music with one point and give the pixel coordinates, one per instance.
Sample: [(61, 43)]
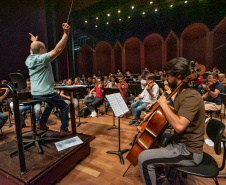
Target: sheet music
[(117, 104), (67, 143)]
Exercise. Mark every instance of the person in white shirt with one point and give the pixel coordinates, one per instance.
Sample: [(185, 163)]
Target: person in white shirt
[(149, 95), (142, 81)]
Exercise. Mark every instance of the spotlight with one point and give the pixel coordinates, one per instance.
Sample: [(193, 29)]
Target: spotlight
[(128, 17), (185, 2), (143, 13), (171, 6), (120, 19), (107, 23), (96, 26)]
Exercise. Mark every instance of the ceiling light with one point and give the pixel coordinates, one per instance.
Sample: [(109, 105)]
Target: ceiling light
[(151, 2), (96, 26), (107, 23), (108, 15), (128, 17), (97, 18), (120, 19), (132, 7), (156, 9), (185, 1), (119, 11), (143, 13), (171, 5), (86, 21)]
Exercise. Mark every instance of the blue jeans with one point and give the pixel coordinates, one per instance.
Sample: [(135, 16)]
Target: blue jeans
[(54, 100), (3, 119), (37, 109), (137, 108)]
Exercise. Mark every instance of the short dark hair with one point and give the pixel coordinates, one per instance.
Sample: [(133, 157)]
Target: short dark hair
[(214, 74), (101, 78), (28, 80), (178, 65)]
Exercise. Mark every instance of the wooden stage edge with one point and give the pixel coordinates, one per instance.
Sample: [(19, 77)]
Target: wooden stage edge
[(47, 168)]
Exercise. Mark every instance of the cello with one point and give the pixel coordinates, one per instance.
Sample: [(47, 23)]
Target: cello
[(155, 123)]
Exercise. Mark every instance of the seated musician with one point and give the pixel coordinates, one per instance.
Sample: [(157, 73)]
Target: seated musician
[(222, 78), (123, 88), (106, 80), (93, 102), (186, 146), (66, 96), (28, 83), (149, 95), (212, 97), (111, 84), (23, 108), (3, 116), (142, 82), (42, 79), (76, 81)]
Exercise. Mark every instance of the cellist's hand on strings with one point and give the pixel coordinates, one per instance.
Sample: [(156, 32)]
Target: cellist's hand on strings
[(33, 38), (162, 101), (66, 28)]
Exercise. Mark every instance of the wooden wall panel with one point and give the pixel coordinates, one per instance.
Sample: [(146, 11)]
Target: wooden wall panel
[(117, 57), (171, 46), (85, 62), (132, 54), (103, 57), (219, 46), (154, 52), (194, 43)]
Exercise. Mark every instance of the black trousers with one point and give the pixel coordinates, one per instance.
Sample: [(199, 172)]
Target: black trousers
[(92, 103)]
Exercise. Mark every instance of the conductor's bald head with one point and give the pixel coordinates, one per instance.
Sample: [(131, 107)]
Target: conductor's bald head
[(38, 47)]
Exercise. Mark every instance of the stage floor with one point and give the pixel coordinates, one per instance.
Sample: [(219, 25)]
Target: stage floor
[(43, 169)]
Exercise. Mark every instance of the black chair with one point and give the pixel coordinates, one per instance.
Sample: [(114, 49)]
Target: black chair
[(208, 168)]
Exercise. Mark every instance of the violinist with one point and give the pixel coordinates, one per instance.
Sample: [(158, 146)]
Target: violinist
[(212, 97), (123, 87), (93, 102), (149, 95), (3, 117), (186, 145), (111, 84)]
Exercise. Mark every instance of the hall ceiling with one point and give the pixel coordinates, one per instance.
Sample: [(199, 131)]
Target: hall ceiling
[(113, 20)]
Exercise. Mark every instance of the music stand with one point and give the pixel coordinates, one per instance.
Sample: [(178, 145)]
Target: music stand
[(80, 93), (135, 89), (107, 92), (119, 152)]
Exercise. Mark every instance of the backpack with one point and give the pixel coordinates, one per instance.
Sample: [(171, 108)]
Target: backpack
[(84, 112)]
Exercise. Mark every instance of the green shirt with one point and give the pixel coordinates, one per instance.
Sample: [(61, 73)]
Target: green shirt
[(41, 74)]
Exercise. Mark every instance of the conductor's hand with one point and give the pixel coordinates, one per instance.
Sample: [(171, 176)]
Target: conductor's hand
[(66, 28), (33, 38)]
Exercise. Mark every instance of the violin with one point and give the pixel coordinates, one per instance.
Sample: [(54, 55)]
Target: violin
[(124, 83), (155, 123), (150, 85), (210, 84)]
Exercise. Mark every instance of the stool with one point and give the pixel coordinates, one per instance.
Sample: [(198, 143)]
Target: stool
[(36, 138)]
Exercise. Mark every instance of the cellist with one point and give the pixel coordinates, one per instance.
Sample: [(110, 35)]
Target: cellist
[(186, 145)]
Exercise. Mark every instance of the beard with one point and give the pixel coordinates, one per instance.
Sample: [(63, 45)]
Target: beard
[(173, 84)]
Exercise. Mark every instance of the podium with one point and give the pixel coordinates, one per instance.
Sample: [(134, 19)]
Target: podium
[(72, 89)]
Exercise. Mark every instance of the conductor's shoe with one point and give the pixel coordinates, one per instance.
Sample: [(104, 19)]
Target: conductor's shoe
[(42, 127), (65, 133)]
